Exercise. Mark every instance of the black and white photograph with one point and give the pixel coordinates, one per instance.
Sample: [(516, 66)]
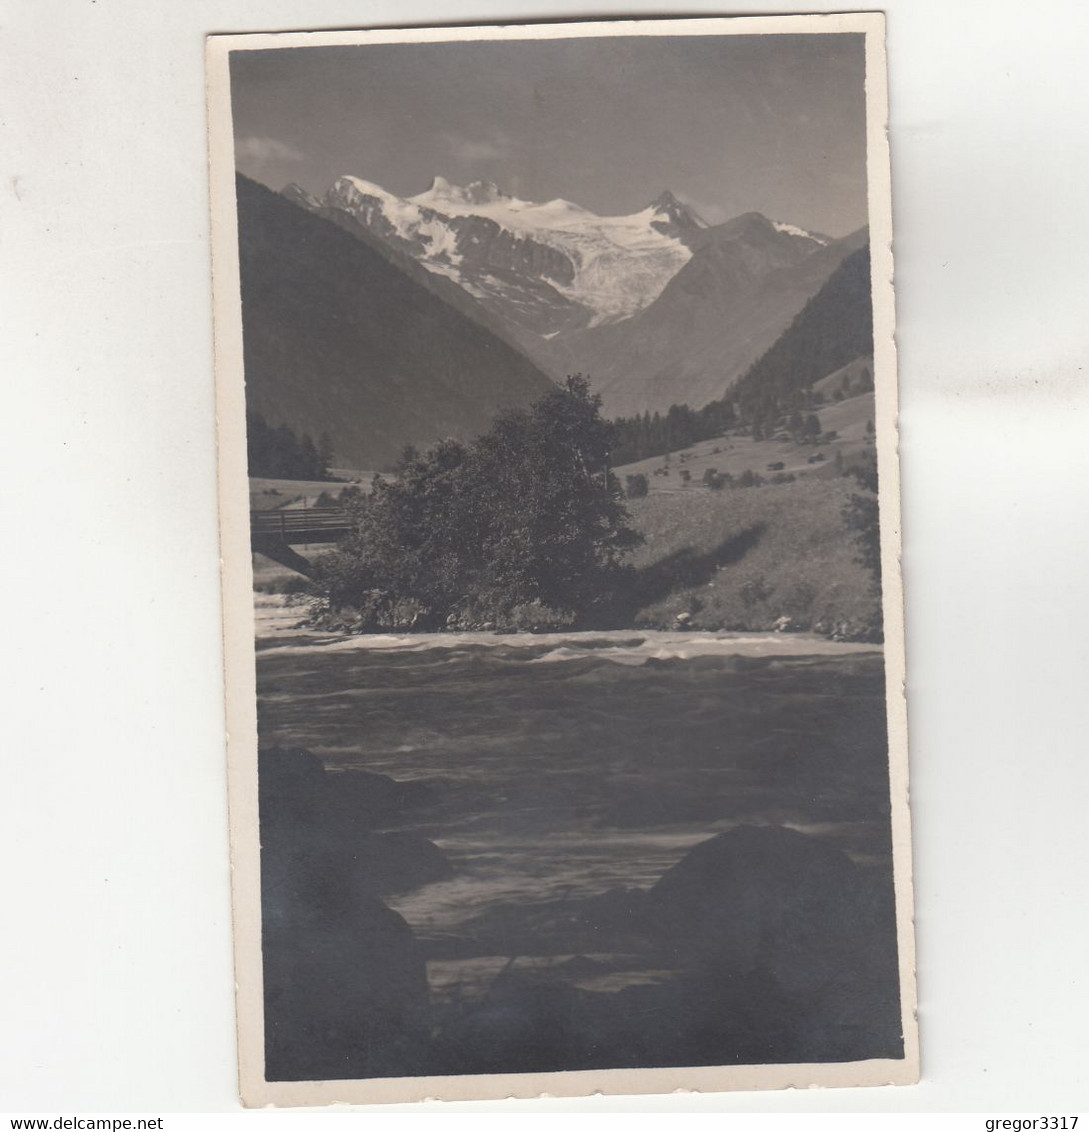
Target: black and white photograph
[(560, 527), (546, 563)]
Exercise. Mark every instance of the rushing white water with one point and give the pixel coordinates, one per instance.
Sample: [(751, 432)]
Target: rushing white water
[(277, 626)]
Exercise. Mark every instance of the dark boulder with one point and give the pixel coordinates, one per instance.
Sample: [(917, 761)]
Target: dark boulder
[(390, 863), (291, 788), (345, 990), (295, 786), (344, 979), (789, 909), (735, 896), (374, 799), (526, 1024)]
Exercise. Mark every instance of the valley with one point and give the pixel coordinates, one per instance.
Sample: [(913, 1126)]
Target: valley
[(743, 530)]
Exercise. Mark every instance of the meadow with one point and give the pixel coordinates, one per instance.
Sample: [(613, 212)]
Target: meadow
[(746, 558), (773, 556), (736, 452)]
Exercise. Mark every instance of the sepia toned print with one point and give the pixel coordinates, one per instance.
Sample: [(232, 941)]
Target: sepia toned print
[(560, 530)]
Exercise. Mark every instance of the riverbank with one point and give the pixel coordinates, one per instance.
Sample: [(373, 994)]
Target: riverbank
[(742, 560)]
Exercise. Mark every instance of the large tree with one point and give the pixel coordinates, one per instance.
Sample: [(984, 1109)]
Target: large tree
[(526, 515)]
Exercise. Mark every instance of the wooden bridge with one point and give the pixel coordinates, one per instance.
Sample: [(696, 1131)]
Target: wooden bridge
[(276, 533)]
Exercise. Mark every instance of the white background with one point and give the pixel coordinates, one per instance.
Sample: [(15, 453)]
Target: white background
[(115, 938)]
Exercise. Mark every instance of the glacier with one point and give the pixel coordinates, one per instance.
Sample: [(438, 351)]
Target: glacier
[(618, 264)]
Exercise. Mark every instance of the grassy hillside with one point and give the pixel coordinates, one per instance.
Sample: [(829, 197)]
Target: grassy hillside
[(853, 372), (734, 559), (737, 558), (735, 453), (743, 558)]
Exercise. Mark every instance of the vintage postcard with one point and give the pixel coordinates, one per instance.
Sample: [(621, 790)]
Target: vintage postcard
[(560, 529)]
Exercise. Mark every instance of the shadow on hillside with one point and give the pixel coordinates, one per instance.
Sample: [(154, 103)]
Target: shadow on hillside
[(686, 568)]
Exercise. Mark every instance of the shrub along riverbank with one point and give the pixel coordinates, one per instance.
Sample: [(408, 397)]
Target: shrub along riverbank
[(777, 557)]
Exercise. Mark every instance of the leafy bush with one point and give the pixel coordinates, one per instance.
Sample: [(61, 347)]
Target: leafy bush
[(755, 591), (749, 478), (798, 601), (536, 617), (466, 534)]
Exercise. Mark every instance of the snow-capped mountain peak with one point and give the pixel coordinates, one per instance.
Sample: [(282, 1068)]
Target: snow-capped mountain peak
[(485, 198), (440, 186), (555, 256), (794, 230), (443, 195), (673, 216), (546, 267)]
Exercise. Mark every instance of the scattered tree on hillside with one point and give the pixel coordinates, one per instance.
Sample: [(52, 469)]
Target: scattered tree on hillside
[(525, 516), (278, 453), (636, 486), (833, 329), (640, 437)]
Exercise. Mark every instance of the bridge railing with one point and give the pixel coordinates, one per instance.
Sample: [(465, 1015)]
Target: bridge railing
[(285, 523)]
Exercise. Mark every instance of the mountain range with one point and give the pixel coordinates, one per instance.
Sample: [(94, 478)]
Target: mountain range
[(542, 269), (657, 307), (721, 312), (384, 321), (345, 336)]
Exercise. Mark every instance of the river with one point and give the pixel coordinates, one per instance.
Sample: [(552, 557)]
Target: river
[(569, 766)]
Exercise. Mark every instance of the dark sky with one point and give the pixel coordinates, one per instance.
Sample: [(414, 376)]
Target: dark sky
[(772, 123)]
